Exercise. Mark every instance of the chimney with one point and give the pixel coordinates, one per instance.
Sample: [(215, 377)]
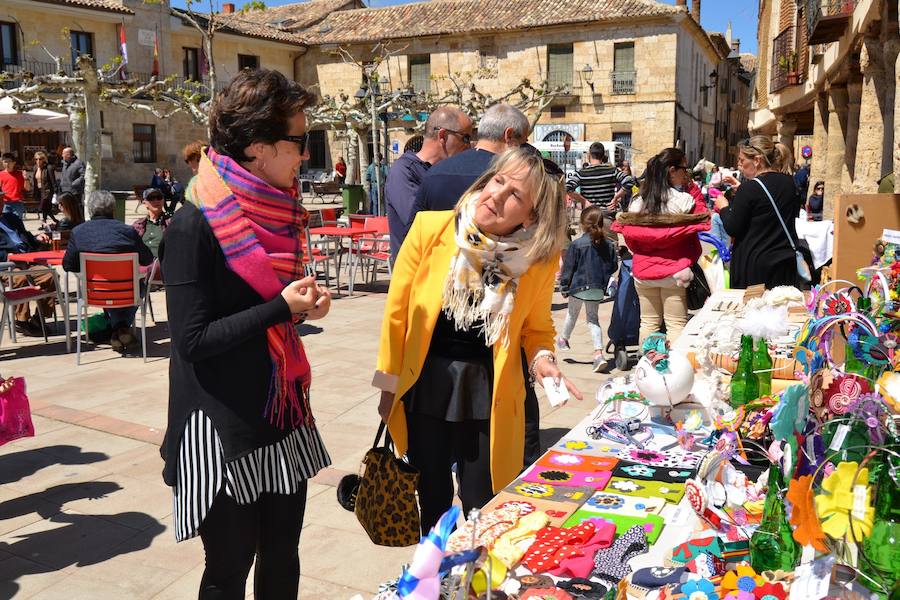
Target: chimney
[(681, 3), (695, 10), (736, 45), (228, 8)]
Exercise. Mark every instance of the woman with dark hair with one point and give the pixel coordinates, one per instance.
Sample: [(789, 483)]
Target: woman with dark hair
[(72, 213), (762, 253), (660, 228), (815, 206), (242, 442), (43, 182)]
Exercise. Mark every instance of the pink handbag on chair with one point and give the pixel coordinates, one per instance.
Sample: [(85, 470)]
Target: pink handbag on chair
[(15, 415)]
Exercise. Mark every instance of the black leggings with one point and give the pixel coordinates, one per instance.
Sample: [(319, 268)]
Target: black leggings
[(268, 529), (434, 445)]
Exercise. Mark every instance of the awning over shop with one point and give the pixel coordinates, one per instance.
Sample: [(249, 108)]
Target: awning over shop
[(37, 119)]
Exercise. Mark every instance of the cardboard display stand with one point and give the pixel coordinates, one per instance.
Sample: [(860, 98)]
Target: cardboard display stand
[(854, 242)]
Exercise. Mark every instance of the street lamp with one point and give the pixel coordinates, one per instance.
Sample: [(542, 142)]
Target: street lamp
[(587, 76)]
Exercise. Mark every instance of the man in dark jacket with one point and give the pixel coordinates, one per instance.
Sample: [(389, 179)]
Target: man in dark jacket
[(15, 239), (105, 235), (72, 179)]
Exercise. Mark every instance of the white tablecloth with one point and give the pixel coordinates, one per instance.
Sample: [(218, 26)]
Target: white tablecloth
[(820, 237)]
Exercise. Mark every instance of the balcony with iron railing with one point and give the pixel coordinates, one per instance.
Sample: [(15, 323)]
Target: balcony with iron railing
[(785, 68), (561, 78), (623, 82), (827, 20)]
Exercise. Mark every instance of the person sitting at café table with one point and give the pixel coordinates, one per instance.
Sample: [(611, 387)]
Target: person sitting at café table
[(15, 239), (72, 212), (105, 235), (151, 227)]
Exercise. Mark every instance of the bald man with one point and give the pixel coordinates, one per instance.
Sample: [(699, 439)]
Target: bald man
[(448, 132)]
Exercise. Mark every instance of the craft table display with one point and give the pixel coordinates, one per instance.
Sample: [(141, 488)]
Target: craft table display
[(794, 494)]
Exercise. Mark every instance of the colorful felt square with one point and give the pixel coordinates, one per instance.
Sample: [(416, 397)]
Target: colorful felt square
[(633, 470), (634, 506), (576, 462), (566, 477), (670, 492), (672, 458), (557, 511), (685, 552), (652, 524), (586, 447), (547, 491)]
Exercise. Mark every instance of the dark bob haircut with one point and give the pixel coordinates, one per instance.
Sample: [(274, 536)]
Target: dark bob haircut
[(255, 107)]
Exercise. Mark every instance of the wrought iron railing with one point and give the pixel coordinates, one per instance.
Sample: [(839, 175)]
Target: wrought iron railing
[(817, 9), (785, 69), (35, 68), (561, 78), (623, 82)]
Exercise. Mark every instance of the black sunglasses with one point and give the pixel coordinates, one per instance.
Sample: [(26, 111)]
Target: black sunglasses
[(465, 137), (746, 143), (550, 167), (300, 140)]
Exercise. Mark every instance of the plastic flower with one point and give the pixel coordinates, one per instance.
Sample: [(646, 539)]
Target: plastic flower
[(790, 412), (743, 578), (770, 591), (845, 507), (807, 530), (699, 589)]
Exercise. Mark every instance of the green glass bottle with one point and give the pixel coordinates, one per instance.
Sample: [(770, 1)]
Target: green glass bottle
[(772, 545), (762, 368), (882, 547), (744, 384)]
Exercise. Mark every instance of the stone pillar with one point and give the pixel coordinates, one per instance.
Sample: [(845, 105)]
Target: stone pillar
[(820, 139), (786, 130), (870, 141), (851, 134), (834, 159), (896, 84)]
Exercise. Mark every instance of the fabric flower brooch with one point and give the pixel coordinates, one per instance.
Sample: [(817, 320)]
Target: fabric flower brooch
[(845, 505)]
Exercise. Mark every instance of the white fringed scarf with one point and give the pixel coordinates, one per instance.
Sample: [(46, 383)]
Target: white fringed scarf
[(484, 276)]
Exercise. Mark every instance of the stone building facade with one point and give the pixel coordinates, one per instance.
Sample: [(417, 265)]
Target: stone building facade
[(637, 71), (828, 72)]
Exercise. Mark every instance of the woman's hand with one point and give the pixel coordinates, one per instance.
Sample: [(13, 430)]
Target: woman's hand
[(731, 180), (545, 367), (301, 295), (323, 304), (721, 202), (385, 405)]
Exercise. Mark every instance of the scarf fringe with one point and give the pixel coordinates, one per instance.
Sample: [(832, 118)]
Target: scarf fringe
[(464, 307), (288, 399)]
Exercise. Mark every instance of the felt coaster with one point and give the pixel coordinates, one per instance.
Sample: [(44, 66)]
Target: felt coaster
[(670, 492), (652, 524), (529, 581), (672, 458), (634, 506), (633, 470), (557, 511), (583, 589), (548, 491), (587, 447), (656, 577), (575, 462), (566, 477)]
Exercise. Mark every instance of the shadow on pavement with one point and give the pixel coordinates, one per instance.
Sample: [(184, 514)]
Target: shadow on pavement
[(74, 539), (19, 465)]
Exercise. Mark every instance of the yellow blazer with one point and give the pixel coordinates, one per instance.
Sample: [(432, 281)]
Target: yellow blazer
[(413, 306)]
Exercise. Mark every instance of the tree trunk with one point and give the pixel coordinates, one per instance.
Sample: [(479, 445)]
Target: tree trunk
[(352, 156), (89, 150), (362, 138), (210, 74)]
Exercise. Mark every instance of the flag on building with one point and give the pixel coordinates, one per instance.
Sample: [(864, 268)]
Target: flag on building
[(123, 53), (155, 70)]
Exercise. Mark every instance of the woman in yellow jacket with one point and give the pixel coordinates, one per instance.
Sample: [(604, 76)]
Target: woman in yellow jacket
[(469, 289)]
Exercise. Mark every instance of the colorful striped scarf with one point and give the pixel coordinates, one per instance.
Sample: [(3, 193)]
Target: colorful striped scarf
[(260, 229)]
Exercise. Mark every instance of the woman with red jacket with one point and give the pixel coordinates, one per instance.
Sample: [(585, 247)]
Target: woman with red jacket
[(660, 228)]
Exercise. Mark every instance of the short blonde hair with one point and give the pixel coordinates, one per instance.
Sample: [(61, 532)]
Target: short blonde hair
[(549, 199), (40, 154)]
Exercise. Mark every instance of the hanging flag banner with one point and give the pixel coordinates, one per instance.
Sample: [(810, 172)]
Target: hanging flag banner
[(123, 52), (155, 70)]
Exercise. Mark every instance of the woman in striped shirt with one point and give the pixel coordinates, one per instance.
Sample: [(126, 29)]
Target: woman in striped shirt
[(241, 440)]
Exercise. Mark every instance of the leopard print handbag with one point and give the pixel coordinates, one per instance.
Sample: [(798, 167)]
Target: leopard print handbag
[(386, 504)]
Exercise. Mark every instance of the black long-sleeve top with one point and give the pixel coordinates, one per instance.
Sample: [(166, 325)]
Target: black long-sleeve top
[(105, 236), (220, 358), (762, 252)]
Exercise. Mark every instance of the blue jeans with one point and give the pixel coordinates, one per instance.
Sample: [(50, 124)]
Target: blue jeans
[(16, 208), (124, 317)]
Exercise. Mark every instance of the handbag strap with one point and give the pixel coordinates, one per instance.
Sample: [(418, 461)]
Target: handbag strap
[(777, 212), (382, 429)]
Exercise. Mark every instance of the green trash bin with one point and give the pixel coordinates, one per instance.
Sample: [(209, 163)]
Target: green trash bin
[(120, 208), (353, 195)]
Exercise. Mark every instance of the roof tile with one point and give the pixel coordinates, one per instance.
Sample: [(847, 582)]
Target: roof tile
[(107, 5)]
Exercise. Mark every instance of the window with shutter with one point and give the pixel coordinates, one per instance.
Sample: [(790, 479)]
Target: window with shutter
[(623, 75), (420, 72), (560, 65)]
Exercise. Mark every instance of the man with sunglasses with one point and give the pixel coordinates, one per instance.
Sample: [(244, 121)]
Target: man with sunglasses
[(447, 133)]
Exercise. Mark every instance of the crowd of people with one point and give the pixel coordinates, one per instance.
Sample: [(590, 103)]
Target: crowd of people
[(478, 223)]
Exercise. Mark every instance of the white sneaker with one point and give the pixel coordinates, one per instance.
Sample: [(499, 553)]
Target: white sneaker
[(600, 364)]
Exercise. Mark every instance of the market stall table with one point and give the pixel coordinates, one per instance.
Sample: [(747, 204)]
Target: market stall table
[(50, 258), (335, 235)]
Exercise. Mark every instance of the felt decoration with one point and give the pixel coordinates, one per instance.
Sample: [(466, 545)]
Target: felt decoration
[(547, 491), (534, 581), (575, 462), (743, 578), (586, 448), (611, 564), (846, 492), (671, 492), (626, 469), (699, 589), (553, 544), (552, 593), (634, 506), (515, 542), (657, 577), (791, 412), (580, 566), (844, 392), (583, 589), (674, 458), (652, 524), (706, 565), (807, 530), (557, 512), (687, 551), (770, 591), (566, 477)]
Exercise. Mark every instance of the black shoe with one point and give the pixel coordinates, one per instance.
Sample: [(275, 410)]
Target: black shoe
[(29, 328)]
